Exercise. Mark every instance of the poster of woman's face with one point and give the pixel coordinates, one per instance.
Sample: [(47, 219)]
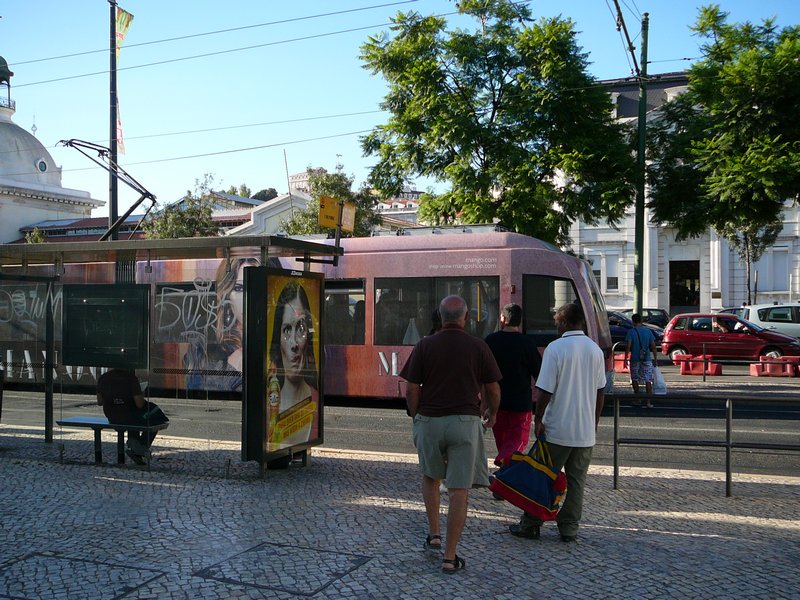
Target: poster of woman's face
[(292, 378)]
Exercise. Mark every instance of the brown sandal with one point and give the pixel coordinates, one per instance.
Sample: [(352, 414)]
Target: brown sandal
[(457, 564)]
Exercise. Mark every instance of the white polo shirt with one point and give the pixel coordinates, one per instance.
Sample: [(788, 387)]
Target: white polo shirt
[(572, 371)]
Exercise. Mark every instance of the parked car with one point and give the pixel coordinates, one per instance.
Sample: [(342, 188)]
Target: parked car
[(739, 311), (654, 316), (724, 335), (620, 325), (783, 318)]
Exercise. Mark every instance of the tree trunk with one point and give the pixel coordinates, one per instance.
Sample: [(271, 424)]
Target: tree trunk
[(747, 264)]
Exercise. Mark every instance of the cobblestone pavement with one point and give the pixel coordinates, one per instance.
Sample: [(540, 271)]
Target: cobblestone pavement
[(199, 523)]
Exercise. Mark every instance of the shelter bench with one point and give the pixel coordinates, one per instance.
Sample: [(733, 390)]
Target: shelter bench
[(97, 424)]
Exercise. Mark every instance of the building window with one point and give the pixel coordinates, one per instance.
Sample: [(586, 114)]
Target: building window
[(773, 270), (605, 268), (596, 261), (612, 273)]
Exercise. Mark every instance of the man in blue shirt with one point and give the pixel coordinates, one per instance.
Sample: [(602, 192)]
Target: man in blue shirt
[(641, 347)]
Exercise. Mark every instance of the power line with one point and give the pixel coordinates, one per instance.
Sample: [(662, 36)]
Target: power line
[(216, 153), (228, 127), (204, 55), (218, 31), (248, 149), (283, 122), (617, 21)]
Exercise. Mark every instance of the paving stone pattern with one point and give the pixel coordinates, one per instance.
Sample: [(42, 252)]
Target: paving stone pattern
[(199, 523)]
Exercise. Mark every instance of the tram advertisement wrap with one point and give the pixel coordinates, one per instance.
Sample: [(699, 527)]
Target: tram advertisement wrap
[(292, 377)]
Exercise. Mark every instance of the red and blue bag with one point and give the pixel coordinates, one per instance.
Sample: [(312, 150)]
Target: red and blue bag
[(529, 482)]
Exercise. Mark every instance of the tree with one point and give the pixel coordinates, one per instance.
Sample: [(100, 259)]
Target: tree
[(242, 190), (266, 194), (189, 217), (506, 114), (35, 237), (726, 154), (335, 185)]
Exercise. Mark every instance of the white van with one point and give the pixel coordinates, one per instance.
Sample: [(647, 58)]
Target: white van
[(783, 318)]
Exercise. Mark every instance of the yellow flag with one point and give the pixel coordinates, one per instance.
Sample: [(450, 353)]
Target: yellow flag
[(124, 19)]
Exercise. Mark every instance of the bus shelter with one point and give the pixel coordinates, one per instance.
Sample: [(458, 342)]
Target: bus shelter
[(206, 323)]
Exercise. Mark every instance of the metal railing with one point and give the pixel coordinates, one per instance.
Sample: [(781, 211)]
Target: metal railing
[(728, 443)]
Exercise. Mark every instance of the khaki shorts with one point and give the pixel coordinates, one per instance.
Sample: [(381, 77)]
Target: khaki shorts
[(451, 448)]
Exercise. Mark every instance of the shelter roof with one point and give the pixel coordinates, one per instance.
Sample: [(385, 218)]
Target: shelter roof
[(61, 253)]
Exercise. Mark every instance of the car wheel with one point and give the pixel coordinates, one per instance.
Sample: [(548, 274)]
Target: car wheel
[(676, 350), (772, 353)]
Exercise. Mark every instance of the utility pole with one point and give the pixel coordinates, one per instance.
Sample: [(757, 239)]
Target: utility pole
[(638, 261), (638, 225), (112, 135)]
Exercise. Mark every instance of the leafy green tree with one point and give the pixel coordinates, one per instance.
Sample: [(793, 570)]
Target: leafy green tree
[(726, 154), (506, 113), (266, 194), (335, 185), (190, 217), (242, 190), (35, 237)]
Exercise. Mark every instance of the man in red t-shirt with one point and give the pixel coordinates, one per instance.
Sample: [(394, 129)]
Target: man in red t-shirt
[(452, 384), (120, 394)]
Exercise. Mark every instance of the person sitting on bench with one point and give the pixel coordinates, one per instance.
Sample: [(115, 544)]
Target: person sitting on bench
[(120, 394)]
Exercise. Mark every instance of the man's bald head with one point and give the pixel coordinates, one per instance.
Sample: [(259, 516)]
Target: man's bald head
[(453, 309)]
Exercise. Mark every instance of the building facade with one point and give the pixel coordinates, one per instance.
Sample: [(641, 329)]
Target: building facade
[(699, 274), (30, 181)]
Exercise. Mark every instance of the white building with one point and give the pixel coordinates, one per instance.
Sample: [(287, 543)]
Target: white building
[(696, 274), (30, 181), (266, 218)]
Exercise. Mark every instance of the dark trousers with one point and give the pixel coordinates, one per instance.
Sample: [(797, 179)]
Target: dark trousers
[(575, 462), (138, 441)]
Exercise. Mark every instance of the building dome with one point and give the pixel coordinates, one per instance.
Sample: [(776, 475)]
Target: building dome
[(23, 158)]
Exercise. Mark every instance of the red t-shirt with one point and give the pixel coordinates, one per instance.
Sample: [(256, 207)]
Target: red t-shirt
[(452, 367)]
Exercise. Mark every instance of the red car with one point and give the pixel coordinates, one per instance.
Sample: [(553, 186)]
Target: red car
[(725, 336)]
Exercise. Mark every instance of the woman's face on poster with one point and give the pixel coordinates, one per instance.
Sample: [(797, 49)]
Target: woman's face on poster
[(294, 338), (236, 295)]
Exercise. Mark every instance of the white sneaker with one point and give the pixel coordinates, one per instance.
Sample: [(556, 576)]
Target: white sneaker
[(442, 488)]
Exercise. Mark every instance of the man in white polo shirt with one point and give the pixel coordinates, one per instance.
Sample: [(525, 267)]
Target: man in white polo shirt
[(569, 400)]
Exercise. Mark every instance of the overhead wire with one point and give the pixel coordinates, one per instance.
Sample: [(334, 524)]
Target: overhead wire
[(229, 127), (215, 153), (625, 49), (219, 31), (204, 55)]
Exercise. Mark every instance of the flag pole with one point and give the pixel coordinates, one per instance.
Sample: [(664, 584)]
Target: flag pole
[(112, 132)]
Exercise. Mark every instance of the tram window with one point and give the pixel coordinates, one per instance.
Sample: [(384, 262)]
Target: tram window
[(344, 311), (483, 299), (404, 307), (542, 296)]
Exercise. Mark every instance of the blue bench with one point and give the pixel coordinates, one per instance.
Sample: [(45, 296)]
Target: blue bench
[(97, 424)]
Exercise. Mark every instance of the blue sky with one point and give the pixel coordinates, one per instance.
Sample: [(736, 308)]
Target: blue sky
[(284, 88)]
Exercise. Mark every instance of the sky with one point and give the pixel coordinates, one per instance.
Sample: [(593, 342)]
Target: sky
[(248, 90)]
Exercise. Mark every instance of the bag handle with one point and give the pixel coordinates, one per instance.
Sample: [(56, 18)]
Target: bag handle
[(540, 451)]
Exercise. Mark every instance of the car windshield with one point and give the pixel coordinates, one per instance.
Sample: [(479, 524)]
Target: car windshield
[(620, 317), (752, 326)]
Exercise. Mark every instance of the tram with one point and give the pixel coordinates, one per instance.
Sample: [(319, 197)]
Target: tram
[(380, 298), (378, 302)]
